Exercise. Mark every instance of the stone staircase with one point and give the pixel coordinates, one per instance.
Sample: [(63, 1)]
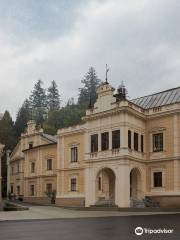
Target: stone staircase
[(136, 203), (104, 205)]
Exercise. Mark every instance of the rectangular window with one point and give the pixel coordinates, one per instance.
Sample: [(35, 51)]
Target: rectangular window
[(115, 139), (129, 139), (142, 143), (49, 188), (32, 190), (157, 179), (136, 144), (30, 145), (73, 185), (18, 190), (158, 142), (49, 164), (94, 143), (104, 141), (12, 189), (74, 154), (33, 167)]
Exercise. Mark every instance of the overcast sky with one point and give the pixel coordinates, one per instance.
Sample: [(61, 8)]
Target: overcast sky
[(60, 39)]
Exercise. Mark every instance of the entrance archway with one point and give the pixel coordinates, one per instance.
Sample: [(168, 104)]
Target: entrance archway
[(105, 185), (135, 184)]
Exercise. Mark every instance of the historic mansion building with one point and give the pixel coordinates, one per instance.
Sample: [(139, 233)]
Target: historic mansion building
[(123, 151)]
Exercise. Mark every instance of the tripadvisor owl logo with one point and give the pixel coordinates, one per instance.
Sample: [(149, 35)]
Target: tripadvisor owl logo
[(139, 231)]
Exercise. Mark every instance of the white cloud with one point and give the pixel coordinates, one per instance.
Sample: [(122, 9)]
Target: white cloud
[(128, 35)]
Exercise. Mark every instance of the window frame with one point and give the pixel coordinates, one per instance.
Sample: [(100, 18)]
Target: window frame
[(159, 148), (129, 139), (33, 169), (116, 142), (47, 190), (74, 158), (32, 187), (94, 147), (73, 184), (104, 141), (49, 160), (157, 185), (136, 141)]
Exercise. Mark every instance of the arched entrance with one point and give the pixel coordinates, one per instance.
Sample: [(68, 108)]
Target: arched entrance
[(135, 184), (105, 186)]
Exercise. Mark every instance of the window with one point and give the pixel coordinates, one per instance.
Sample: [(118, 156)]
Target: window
[(33, 167), (104, 141), (157, 142), (157, 179), (18, 190), (74, 154), (129, 139), (12, 189), (30, 145), (49, 188), (99, 183), (73, 185), (142, 143), (115, 139), (32, 190), (94, 143), (136, 141), (49, 164)]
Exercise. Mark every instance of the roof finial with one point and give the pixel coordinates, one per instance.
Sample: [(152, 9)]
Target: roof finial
[(107, 70)]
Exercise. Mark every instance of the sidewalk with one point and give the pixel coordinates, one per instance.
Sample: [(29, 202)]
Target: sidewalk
[(48, 212)]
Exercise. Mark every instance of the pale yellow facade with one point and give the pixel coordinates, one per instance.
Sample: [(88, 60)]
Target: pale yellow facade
[(120, 154)]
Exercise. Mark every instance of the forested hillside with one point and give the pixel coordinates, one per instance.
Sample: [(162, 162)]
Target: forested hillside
[(44, 106)]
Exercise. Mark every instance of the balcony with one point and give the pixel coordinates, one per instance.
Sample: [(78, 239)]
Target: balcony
[(118, 152)]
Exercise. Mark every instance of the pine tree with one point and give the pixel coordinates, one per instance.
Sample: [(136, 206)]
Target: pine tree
[(7, 133), (53, 97), (38, 97), (23, 116), (38, 102), (91, 82)]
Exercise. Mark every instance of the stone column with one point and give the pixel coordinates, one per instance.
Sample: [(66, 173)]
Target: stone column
[(90, 187), (122, 188)]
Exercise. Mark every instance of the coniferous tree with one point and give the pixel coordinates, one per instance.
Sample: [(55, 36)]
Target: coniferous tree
[(88, 91), (7, 133), (38, 102), (23, 116), (53, 97), (38, 97)]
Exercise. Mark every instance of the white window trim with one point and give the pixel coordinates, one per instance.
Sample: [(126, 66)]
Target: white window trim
[(72, 177), (164, 140), (73, 146)]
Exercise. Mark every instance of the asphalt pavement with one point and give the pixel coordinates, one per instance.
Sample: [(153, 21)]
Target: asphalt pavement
[(104, 228)]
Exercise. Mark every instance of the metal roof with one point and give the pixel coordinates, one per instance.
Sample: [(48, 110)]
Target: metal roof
[(50, 137), (169, 96)]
